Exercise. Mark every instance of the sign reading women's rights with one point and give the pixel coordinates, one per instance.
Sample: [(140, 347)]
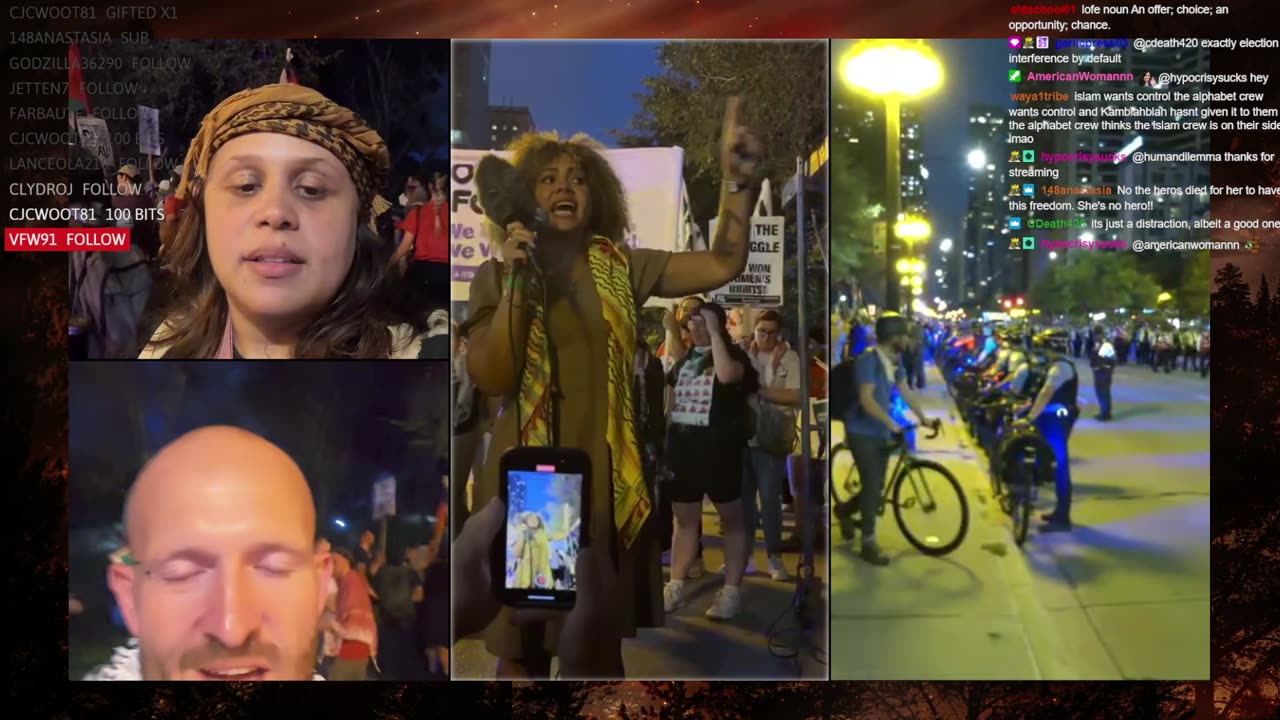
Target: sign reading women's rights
[(761, 283), (651, 177)]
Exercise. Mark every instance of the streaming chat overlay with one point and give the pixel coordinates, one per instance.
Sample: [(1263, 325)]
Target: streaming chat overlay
[(1108, 138)]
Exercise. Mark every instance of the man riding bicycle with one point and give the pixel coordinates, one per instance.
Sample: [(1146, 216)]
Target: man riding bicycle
[(869, 427)]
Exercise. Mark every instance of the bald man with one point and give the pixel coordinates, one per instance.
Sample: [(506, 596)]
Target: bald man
[(223, 580)]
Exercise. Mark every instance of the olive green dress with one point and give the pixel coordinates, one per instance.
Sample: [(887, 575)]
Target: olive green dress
[(579, 333)]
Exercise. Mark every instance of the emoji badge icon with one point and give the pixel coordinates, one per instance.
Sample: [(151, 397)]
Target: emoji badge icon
[(1015, 244), (1028, 243)]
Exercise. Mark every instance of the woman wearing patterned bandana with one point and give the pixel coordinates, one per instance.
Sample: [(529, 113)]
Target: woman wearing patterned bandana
[(594, 284), (275, 256)]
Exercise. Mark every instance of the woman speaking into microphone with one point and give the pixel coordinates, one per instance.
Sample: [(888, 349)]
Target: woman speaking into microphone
[(585, 285)]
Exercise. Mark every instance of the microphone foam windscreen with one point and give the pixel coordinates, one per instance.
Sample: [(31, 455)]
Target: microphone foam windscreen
[(503, 195)]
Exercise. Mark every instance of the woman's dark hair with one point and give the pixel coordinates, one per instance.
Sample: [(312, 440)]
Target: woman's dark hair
[(609, 217), (354, 325)]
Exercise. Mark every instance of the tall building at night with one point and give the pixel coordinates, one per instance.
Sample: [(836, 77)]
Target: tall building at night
[(469, 111), (912, 158), (982, 265), (508, 122), (858, 126)]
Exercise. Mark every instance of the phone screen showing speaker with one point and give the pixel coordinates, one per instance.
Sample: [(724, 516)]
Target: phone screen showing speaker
[(544, 522)]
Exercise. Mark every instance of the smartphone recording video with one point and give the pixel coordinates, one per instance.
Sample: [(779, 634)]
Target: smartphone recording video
[(544, 489)]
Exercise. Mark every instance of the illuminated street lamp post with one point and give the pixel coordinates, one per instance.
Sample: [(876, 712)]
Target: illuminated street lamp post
[(892, 71)]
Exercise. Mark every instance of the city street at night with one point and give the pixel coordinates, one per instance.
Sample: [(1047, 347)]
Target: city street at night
[(1124, 595)]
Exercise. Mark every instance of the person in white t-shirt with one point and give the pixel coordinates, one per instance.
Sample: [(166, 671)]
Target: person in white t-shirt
[(765, 468)]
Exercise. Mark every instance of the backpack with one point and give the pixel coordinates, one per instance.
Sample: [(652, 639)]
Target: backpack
[(850, 404), (843, 390), (395, 588), (110, 292)]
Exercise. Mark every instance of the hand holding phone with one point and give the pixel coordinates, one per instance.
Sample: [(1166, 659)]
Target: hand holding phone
[(535, 558), (590, 645)]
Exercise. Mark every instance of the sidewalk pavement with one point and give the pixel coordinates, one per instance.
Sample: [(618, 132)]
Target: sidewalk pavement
[(1094, 604)]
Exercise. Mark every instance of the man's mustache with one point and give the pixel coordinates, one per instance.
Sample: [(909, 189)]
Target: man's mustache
[(213, 651)]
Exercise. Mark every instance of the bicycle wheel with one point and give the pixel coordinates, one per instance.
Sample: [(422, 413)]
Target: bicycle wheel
[(924, 490), (1020, 501), (843, 494)]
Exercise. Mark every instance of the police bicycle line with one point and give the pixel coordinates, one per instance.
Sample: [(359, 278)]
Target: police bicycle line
[(994, 393)]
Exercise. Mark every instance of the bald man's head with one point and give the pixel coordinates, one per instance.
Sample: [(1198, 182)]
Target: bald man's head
[(229, 583), (206, 461)]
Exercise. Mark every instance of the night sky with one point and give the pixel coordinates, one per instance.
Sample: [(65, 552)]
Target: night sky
[(972, 74), (573, 87)]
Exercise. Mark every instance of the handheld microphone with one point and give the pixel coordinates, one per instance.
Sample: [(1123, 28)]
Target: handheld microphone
[(506, 199)]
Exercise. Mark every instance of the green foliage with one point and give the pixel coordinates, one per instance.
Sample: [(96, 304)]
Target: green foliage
[(784, 94), (853, 216), (205, 73), (1090, 281), (185, 79)]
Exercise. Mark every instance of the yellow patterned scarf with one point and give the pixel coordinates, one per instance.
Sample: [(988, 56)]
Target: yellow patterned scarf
[(611, 274)]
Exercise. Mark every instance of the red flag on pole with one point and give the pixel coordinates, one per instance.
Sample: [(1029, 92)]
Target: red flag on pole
[(78, 95), (287, 75)]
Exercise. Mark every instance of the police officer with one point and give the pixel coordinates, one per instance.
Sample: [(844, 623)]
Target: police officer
[(1015, 381), (989, 346), (1055, 385), (1008, 347), (1103, 364)]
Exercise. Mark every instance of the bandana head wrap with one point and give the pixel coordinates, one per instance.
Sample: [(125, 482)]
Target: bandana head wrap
[(303, 113)]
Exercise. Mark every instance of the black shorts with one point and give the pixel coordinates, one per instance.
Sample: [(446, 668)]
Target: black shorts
[(704, 465)]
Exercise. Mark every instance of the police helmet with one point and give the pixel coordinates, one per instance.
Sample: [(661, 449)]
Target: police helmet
[(1053, 339)]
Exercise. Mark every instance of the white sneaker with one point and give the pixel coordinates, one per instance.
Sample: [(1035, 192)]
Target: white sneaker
[(672, 595), (778, 569), (696, 569), (726, 603)]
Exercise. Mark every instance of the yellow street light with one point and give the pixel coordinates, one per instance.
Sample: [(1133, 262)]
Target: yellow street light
[(913, 228), (904, 281), (904, 266), (892, 70), (917, 290), (1163, 297), (904, 69), (917, 281), (917, 267)]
